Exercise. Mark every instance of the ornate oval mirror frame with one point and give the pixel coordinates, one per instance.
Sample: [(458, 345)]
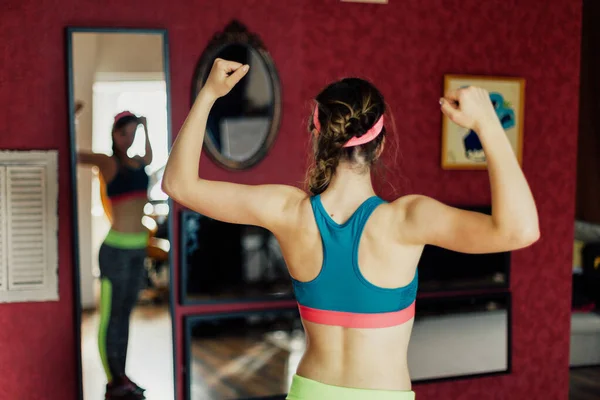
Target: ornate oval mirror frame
[(237, 34)]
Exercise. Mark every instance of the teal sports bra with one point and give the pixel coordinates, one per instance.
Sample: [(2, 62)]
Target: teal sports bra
[(340, 295)]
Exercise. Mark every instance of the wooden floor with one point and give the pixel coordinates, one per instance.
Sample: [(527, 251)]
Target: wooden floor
[(149, 359), (244, 367), (585, 384)]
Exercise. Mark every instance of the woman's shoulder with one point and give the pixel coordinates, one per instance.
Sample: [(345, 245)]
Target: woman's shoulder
[(420, 210), (294, 195), (409, 203), (409, 200)]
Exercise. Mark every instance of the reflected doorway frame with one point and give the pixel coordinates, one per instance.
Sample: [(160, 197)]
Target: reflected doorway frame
[(77, 309)]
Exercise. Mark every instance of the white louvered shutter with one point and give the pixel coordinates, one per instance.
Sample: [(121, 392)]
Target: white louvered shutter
[(3, 236), (26, 227)]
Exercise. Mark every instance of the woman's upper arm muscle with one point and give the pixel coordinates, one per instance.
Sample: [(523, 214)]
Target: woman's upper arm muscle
[(261, 205), (428, 221)]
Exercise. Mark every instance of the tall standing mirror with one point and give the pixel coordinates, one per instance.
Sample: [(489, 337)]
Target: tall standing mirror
[(119, 113), (241, 126)]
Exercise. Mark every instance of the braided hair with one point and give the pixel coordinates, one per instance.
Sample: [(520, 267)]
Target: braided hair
[(346, 109)]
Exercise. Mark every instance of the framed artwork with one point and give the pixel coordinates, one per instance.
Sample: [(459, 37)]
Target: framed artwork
[(461, 148)]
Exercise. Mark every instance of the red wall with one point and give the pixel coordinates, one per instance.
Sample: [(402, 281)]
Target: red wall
[(405, 47)]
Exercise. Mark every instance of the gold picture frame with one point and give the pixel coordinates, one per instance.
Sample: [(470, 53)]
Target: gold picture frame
[(461, 148)]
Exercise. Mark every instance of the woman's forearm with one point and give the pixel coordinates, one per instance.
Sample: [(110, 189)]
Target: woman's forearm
[(184, 159), (513, 207), (87, 158)]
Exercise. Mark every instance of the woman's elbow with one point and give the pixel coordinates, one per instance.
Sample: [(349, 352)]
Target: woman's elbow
[(169, 187), (525, 236)]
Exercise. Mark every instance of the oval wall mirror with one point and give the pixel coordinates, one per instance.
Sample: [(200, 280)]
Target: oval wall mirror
[(241, 126)]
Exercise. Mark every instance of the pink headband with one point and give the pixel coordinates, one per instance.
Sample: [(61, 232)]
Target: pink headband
[(123, 114), (355, 141)]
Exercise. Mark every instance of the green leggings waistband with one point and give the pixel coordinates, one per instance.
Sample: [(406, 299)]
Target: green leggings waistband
[(127, 241), (305, 389)]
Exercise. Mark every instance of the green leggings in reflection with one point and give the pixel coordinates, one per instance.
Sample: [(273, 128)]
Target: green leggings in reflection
[(122, 273)]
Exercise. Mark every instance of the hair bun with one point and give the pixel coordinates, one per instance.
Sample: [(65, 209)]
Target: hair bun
[(359, 125), (355, 127)]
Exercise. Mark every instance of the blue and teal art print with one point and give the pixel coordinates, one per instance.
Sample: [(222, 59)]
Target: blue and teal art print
[(506, 115)]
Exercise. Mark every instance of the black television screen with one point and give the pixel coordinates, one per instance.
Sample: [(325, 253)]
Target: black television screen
[(222, 261), (445, 270)]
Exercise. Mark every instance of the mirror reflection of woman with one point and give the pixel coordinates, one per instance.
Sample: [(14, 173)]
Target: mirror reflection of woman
[(353, 256), (124, 250)]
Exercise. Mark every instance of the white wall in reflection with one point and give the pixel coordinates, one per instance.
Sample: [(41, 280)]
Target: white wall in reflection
[(242, 137), (458, 344)]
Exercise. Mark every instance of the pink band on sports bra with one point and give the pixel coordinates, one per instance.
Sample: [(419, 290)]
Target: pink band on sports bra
[(355, 320), (355, 141)]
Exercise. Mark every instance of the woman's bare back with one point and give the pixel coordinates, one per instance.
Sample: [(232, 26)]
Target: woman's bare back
[(351, 357)]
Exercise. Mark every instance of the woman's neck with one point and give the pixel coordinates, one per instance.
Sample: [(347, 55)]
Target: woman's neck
[(350, 183), (121, 156)]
